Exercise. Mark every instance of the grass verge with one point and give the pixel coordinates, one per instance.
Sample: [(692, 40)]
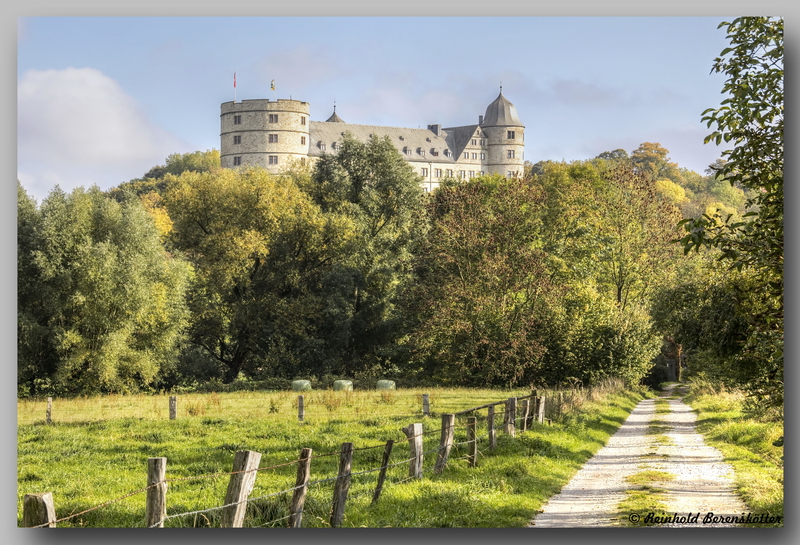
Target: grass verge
[(751, 446)]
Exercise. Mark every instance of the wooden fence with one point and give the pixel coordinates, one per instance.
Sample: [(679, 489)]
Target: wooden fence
[(39, 510)]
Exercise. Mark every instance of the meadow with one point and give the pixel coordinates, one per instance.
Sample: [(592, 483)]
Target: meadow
[(94, 454)]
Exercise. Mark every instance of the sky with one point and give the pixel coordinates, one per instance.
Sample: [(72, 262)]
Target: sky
[(101, 100)]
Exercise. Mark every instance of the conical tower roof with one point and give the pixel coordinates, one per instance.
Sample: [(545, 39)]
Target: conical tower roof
[(501, 113), (334, 118)]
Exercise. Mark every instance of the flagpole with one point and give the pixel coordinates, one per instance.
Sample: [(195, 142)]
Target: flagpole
[(234, 87)]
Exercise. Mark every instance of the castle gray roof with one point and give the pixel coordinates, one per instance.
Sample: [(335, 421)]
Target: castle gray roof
[(334, 118), (501, 113), (422, 144)]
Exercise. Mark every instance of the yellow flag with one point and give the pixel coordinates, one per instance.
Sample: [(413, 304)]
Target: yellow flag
[(272, 86)]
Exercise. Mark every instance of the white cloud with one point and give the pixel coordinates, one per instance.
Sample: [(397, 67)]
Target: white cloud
[(78, 127)]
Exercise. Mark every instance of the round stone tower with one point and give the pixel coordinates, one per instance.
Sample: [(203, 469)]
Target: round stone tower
[(504, 138), (267, 133)]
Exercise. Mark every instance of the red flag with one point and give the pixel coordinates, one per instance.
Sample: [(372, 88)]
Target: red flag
[(234, 79)]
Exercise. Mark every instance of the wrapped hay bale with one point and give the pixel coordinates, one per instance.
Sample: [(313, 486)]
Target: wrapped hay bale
[(386, 385), (343, 385), (301, 385)]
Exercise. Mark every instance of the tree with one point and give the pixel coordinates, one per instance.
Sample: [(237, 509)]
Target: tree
[(482, 284), (609, 227), (751, 119), (375, 188), (108, 312), (616, 155), (651, 160), (258, 244)]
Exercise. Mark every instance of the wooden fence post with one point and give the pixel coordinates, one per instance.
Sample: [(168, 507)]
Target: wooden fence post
[(532, 408), (426, 405), (525, 407), (446, 442), (511, 416), (173, 407), (156, 509), (342, 485), (38, 510), (387, 451), (472, 443), (492, 432), (414, 434), (540, 409), (49, 414), (301, 484), (300, 408), (243, 479)]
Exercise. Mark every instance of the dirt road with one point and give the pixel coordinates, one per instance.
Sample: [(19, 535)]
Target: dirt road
[(702, 483)]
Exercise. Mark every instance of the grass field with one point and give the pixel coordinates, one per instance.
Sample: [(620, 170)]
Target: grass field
[(96, 451)]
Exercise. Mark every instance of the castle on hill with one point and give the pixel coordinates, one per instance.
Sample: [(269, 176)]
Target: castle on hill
[(273, 133)]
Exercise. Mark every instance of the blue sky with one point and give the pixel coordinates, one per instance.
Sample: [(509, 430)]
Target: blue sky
[(103, 99)]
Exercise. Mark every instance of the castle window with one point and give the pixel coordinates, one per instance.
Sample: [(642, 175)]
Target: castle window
[(466, 155), (511, 135), (237, 139), (474, 142), (273, 138), (273, 118), (474, 155), (273, 159), (421, 151), (437, 172), (483, 156), (434, 152), (237, 161), (511, 154), (424, 172), (302, 140), (237, 120), (302, 120), (483, 142), (471, 173), (449, 173), (462, 173), (447, 153), (406, 150), (321, 146)]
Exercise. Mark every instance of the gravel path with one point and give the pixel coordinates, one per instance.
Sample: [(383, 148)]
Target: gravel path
[(702, 480)]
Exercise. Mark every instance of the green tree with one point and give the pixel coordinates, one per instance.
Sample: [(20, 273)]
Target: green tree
[(259, 246), (375, 188), (482, 284), (751, 120), (609, 227), (108, 313)]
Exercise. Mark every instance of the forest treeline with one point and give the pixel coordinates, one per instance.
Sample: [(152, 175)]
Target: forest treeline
[(571, 273)]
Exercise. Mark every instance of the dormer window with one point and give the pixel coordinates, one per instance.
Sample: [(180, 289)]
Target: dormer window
[(321, 145), (421, 151)]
